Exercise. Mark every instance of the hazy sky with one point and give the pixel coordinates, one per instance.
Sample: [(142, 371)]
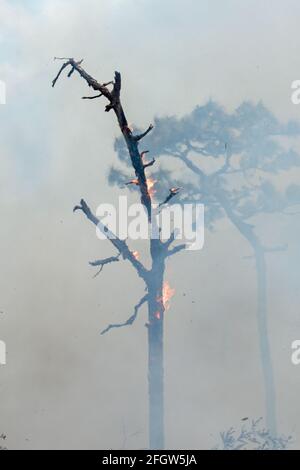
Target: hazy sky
[(64, 385)]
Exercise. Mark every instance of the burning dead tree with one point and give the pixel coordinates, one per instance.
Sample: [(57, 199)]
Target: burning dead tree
[(158, 291)]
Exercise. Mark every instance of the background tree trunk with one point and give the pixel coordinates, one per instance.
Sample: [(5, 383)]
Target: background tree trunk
[(264, 344), (261, 312)]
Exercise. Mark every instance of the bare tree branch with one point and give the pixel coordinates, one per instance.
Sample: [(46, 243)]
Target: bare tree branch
[(144, 153), (103, 262), (166, 245), (92, 82), (120, 245), (141, 136), (169, 242), (130, 320), (115, 104), (172, 193), (176, 249), (150, 163), (91, 97), (146, 165), (60, 71)]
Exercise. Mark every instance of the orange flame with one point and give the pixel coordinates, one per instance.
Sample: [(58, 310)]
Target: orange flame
[(167, 294), (134, 181), (150, 185), (174, 190), (136, 255)]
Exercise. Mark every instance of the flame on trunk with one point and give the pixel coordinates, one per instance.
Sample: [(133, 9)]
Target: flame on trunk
[(167, 294), (150, 185), (136, 254)]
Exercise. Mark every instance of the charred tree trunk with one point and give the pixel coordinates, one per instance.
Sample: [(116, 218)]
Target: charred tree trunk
[(155, 374), (156, 350)]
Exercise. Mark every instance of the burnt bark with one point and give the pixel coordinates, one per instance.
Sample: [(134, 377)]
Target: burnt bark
[(155, 376), (156, 350)]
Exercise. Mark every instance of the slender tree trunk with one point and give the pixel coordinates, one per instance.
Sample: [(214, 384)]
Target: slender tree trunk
[(155, 378), (262, 321), (156, 353), (264, 343)]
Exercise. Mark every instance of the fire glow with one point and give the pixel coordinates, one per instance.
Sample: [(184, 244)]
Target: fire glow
[(136, 254), (167, 294), (150, 185), (134, 181)]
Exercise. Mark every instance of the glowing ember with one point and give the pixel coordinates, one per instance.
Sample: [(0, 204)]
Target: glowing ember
[(136, 254), (134, 181), (174, 190), (150, 184), (157, 315), (167, 294)]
